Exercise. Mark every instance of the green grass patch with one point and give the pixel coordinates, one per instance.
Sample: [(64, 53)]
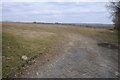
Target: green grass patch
[(14, 47)]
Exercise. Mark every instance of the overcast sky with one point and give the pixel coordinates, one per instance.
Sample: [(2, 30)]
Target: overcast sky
[(64, 12)]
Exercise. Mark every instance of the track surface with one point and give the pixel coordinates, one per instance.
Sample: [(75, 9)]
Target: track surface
[(81, 57)]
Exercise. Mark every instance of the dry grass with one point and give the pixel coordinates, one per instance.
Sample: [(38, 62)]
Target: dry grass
[(24, 40), (35, 40)]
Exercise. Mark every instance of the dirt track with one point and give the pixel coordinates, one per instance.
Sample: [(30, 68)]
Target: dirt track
[(81, 57)]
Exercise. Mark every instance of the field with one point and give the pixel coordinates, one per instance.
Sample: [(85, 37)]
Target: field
[(37, 40)]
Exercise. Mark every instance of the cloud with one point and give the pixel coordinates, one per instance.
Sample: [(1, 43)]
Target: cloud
[(55, 7), (55, 0), (54, 11)]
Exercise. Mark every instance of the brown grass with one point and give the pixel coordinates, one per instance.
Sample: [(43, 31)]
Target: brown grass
[(35, 40)]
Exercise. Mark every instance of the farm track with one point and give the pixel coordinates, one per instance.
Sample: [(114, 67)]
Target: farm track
[(81, 57)]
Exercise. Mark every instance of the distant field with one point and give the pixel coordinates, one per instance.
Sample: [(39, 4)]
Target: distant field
[(93, 25), (36, 40)]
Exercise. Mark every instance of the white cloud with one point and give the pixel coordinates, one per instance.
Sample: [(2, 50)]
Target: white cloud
[(52, 12), (55, 0)]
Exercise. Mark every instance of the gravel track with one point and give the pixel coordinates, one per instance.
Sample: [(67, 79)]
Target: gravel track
[(81, 57)]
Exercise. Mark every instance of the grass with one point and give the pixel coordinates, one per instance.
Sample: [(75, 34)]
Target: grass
[(100, 34), (16, 44), (36, 40), (14, 48)]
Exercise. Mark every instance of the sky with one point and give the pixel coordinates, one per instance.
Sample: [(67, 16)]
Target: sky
[(51, 12), (56, 0)]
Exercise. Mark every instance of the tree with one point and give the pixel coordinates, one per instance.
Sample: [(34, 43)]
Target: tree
[(34, 22), (115, 13)]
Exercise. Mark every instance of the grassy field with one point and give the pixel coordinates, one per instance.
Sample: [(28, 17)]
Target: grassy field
[(36, 40)]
